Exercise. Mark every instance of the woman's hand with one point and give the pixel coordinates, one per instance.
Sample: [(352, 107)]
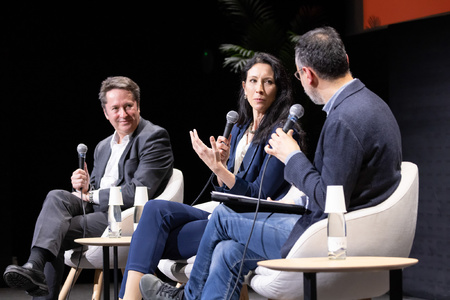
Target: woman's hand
[(215, 157), (287, 201), (210, 156), (223, 146)]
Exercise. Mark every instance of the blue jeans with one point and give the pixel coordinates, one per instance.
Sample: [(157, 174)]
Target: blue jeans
[(221, 249), (166, 230)]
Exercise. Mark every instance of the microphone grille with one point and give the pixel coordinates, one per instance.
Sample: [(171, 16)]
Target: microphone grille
[(82, 149), (232, 116), (297, 110)]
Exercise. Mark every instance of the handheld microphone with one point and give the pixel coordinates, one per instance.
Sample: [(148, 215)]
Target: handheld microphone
[(295, 112), (232, 118), (81, 149)]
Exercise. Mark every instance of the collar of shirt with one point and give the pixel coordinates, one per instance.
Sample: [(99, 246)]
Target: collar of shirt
[(111, 174), (115, 139), (329, 105)]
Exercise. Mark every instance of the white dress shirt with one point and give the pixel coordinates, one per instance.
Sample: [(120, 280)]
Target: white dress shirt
[(111, 175)]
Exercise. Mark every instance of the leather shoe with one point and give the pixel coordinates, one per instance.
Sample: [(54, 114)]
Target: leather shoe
[(26, 278)]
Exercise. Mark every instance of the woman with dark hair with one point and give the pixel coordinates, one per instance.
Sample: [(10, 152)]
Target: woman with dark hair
[(360, 151), (277, 113), (174, 230)]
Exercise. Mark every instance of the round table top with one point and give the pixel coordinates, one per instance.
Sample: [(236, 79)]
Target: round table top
[(105, 241), (352, 263)]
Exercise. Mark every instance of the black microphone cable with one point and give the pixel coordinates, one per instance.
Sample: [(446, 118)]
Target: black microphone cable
[(295, 112), (204, 188), (232, 118), (81, 247), (251, 230), (84, 234)]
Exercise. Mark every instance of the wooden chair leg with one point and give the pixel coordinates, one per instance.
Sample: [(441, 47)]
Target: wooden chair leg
[(71, 279), (244, 293), (98, 285)]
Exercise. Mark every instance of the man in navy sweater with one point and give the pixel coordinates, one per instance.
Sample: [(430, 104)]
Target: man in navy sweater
[(360, 143), (359, 148)]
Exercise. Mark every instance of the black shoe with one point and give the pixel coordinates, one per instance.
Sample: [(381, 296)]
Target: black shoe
[(153, 288), (26, 278)]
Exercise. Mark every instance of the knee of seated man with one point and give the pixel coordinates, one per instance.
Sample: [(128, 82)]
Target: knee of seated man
[(221, 211), (57, 197), (228, 252)]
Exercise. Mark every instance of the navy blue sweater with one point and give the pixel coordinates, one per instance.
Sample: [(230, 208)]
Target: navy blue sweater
[(359, 148)]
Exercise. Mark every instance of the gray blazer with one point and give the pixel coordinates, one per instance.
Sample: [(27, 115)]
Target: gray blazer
[(359, 147), (146, 161)]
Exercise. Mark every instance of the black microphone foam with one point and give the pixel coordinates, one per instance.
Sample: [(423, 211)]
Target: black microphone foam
[(232, 118), (81, 149), (295, 112)]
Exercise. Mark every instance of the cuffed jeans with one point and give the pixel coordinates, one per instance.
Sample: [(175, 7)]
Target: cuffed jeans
[(221, 250)]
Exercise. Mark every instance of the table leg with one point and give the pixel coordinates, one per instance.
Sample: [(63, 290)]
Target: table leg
[(395, 284), (116, 279), (309, 286), (106, 272)]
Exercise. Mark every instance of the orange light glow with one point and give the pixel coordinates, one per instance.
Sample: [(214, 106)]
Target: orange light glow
[(385, 12)]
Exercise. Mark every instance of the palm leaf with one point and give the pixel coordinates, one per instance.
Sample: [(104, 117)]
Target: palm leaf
[(249, 10), (259, 29), (237, 58)]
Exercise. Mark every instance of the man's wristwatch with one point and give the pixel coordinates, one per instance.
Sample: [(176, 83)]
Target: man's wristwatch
[(91, 197)]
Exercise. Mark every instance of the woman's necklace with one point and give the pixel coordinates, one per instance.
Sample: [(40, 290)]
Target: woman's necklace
[(250, 129)]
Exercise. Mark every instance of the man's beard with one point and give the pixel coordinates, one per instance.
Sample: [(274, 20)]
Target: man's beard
[(314, 96)]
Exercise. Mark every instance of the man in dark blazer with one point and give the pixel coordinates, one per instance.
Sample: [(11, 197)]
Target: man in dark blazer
[(139, 153), (360, 143), (359, 148)]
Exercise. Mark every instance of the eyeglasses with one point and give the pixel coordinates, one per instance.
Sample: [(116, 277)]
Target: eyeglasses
[(297, 74)]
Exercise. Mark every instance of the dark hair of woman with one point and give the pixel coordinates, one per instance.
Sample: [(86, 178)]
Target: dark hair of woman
[(279, 110)]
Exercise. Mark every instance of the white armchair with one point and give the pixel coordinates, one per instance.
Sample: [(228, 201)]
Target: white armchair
[(92, 257), (384, 230)]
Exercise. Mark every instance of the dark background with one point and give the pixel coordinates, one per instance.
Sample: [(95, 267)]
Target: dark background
[(54, 58)]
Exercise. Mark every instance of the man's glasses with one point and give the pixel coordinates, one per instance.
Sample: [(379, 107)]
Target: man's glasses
[(297, 74)]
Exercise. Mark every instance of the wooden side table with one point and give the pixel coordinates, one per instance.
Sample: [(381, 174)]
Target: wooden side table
[(107, 242), (311, 266)]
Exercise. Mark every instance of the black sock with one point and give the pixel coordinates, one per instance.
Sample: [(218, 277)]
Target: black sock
[(38, 257)]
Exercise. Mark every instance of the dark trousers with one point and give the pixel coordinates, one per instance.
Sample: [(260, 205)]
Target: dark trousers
[(60, 221), (166, 230)]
